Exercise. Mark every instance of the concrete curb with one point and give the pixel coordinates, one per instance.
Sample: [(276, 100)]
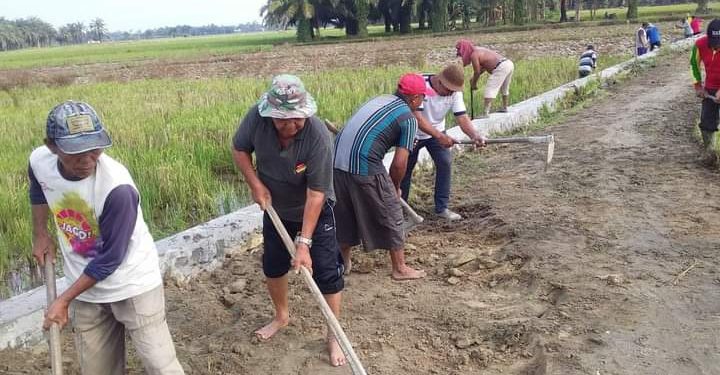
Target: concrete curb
[(203, 247)]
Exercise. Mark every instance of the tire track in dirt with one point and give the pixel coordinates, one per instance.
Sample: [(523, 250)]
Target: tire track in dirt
[(624, 209)]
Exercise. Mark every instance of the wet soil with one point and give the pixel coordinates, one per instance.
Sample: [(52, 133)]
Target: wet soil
[(577, 270)]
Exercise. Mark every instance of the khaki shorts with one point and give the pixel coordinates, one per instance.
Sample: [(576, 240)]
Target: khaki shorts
[(368, 211), (100, 328), (499, 80)]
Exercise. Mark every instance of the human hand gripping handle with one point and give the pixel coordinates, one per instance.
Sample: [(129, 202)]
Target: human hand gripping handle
[(261, 195), (43, 248), (302, 257)]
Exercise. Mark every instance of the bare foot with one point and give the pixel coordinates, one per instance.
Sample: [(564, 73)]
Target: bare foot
[(407, 273), (265, 333), (337, 357)]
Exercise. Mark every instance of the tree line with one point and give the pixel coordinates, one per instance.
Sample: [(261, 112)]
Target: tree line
[(308, 16), (34, 32)]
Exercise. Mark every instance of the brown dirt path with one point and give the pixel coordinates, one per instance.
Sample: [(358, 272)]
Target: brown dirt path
[(565, 272)]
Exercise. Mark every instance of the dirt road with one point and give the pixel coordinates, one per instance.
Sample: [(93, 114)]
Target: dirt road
[(573, 271)]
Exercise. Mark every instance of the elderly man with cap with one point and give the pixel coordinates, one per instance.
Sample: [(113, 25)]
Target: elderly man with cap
[(293, 154), (368, 209), (704, 51), (431, 120), (109, 256), (483, 60)]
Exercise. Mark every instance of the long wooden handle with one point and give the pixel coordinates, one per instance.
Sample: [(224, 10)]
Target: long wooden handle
[(353, 360), (535, 139), (54, 335)]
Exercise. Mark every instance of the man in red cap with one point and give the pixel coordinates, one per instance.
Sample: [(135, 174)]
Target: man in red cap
[(368, 209)]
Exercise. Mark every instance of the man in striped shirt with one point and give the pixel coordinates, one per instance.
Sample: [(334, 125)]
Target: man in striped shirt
[(588, 61), (368, 208)]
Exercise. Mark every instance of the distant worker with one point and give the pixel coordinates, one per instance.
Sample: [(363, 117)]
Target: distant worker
[(293, 172), (431, 120), (704, 52), (696, 24), (109, 256), (686, 28), (641, 42), (588, 61), (498, 67), (653, 36), (368, 207)]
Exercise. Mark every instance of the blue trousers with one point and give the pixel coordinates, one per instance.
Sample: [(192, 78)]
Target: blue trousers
[(442, 158)]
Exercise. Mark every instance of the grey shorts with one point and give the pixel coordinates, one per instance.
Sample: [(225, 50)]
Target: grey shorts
[(368, 211)]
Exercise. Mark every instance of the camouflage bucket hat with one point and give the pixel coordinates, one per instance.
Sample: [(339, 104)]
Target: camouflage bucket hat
[(287, 98)]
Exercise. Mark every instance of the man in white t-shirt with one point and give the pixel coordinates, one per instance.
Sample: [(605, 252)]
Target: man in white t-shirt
[(109, 256), (448, 84)]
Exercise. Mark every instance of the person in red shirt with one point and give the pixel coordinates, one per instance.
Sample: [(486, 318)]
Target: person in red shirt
[(696, 24), (705, 51)]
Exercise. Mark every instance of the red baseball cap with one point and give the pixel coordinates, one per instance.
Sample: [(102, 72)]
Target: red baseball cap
[(414, 84)]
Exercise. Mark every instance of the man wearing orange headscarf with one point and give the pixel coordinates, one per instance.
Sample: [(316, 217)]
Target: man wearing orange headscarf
[(498, 67)]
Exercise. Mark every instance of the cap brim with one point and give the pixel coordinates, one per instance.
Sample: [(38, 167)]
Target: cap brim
[(84, 142), (267, 110), (714, 42), (429, 91), (449, 85)]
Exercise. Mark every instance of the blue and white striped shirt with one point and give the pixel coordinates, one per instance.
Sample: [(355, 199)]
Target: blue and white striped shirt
[(378, 125)]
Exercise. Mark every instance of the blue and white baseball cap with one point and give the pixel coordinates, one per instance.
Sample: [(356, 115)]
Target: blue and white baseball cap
[(75, 128)]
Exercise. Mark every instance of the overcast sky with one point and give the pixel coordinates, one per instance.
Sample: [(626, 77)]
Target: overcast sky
[(136, 14)]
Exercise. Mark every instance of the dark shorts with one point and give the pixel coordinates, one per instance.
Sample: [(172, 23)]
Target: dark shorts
[(584, 73), (368, 211), (710, 113), (654, 45), (641, 51), (327, 263)]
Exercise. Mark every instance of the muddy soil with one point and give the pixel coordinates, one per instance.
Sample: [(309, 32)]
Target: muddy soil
[(578, 270), (417, 51)]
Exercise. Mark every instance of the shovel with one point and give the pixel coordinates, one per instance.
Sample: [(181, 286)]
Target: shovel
[(355, 366), (413, 218), (549, 139), (54, 332)]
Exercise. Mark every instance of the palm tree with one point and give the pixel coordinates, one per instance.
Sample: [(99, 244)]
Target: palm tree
[(286, 13), (439, 15), (632, 11), (98, 30)]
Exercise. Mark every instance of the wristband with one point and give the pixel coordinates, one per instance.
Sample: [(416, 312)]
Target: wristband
[(300, 239)]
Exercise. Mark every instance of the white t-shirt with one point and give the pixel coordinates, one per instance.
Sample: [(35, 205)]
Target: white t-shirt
[(435, 108), (76, 207)]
